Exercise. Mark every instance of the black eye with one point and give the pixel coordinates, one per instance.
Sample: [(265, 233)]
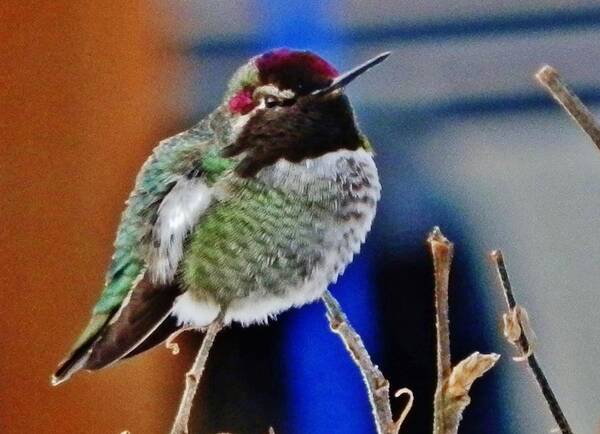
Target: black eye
[(271, 101)]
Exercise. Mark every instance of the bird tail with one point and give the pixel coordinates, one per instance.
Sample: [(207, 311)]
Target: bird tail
[(142, 322)]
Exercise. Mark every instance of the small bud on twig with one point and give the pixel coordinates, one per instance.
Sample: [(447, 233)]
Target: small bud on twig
[(518, 333), (516, 324)]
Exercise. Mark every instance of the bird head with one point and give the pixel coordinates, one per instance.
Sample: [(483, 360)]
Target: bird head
[(287, 104)]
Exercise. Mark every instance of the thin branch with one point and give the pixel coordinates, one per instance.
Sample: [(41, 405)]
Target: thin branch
[(193, 376), (442, 251), (524, 344), (378, 387), (548, 77), (453, 384)]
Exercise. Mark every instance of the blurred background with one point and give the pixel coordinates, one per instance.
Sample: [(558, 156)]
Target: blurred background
[(464, 140)]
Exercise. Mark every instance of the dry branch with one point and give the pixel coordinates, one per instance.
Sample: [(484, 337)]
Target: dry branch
[(548, 77), (517, 332), (378, 387), (193, 376), (453, 384)]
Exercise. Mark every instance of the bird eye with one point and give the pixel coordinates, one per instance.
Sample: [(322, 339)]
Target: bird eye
[(271, 101), (270, 96)]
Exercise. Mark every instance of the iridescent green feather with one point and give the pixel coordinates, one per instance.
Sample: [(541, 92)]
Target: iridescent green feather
[(173, 157), (253, 241)]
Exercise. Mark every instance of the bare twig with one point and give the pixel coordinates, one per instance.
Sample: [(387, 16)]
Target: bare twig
[(453, 385), (378, 387), (523, 342), (442, 251), (193, 376), (548, 77)]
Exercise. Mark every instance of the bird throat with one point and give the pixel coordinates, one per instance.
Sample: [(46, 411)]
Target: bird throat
[(309, 129)]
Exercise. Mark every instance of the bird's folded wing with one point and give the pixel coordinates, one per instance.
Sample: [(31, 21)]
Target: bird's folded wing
[(172, 192)]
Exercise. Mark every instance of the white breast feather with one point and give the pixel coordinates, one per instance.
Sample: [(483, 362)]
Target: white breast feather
[(177, 215)]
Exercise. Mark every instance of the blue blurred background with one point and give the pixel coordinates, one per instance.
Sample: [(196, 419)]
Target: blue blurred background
[(465, 140)]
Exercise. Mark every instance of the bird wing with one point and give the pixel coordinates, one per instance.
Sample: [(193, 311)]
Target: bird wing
[(172, 191)]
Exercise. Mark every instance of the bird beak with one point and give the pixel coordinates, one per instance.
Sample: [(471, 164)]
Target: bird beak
[(342, 80)]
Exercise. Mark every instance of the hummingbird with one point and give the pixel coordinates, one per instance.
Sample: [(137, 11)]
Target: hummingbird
[(255, 209)]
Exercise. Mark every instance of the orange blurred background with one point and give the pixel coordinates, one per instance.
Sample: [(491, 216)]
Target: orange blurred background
[(87, 89)]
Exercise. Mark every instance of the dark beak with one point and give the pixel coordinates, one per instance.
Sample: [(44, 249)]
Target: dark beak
[(342, 80)]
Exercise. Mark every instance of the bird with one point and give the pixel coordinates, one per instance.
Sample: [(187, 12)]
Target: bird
[(253, 210)]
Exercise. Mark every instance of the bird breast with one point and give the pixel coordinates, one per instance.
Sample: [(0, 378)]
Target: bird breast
[(283, 236)]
